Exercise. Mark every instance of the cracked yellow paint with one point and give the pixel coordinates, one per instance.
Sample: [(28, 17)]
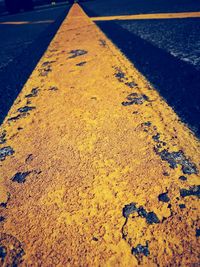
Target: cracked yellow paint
[(88, 157)]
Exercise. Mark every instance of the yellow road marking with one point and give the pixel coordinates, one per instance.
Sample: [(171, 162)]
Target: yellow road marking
[(86, 137), (25, 22), (150, 16)]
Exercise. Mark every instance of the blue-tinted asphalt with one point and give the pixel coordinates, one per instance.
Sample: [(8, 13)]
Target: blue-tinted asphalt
[(21, 47), (166, 52), (129, 7)]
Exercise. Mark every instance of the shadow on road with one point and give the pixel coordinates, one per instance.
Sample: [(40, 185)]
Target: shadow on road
[(177, 82), (15, 74)]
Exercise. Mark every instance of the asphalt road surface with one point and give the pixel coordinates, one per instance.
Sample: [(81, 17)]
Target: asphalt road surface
[(24, 39), (20, 30), (166, 51), (97, 170), (125, 7)]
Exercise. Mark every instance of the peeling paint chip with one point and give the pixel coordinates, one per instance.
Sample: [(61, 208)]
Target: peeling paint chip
[(15, 118), (150, 217), (156, 137), (2, 218), (141, 250), (182, 206), (102, 42), (77, 53), (5, 201), (6, 151), (120, 75), (3, 137), (25, 109), (53, 88), (183, 178), (45, 71), (163, 197), (197, 232), (3, 253), (142, 212), (134, 98), (178, 158), (47, 63), (193, 191), (131, 84), (34, 93), (128, 209), (146, 123), (20, 177)]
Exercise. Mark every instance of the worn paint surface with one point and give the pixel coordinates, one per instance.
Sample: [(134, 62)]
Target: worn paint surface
[(180, 15), (92, 166)]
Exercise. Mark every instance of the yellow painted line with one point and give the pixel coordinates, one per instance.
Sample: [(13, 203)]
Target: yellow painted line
[(92, 163), (150, 16), (25, 22)]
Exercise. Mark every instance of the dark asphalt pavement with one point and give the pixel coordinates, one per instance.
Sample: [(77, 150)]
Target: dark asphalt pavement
[(17, 37), (130, 7), (21, 47), (166, 52), (178, 37)]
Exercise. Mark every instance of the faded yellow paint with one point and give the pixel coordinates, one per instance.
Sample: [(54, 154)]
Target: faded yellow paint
[(3, 192), (89, 156), (26, 22), (180, 15)]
